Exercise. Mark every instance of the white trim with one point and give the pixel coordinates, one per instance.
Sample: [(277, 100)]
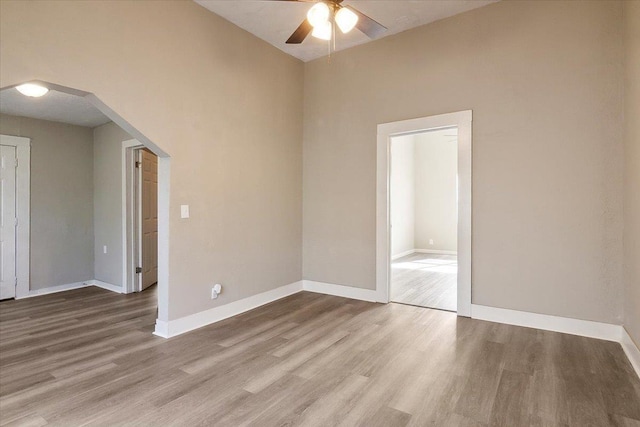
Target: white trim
[(463, 121), (423, 251), (128, 268), (72, 286), (435, 251), (631, 350), (168, 329), (402, 254), (54, 289), (370, 295), (105, 285), (584, 328), (566, 325), (137, 216), (164, 213), (162, 329), (23, 211)]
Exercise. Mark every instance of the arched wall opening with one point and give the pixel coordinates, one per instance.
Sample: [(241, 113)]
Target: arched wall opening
[(163, 188)]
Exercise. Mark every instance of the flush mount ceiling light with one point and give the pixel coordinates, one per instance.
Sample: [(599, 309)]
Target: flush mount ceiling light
[(325, 15), (33, 90)]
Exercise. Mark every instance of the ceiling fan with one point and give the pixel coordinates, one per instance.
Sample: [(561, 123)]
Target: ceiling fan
[(324, 14)]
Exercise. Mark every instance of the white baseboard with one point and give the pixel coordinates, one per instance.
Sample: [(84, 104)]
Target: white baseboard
[(162, 329), (105, 285), (370, 295), (72, 286), (401, 254), (435, 251), (194, 321), (423, 251), (566, 325), (585, 328), (179, 326), (54, 289), (631, 350)]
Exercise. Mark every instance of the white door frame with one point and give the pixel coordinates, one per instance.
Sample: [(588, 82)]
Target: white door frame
[(462, 120), (23, 209), (130, 249)]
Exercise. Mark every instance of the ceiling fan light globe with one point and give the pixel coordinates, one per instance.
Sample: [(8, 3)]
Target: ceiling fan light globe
[(322, 31), (346, 20), (318, 14), (32, 90)]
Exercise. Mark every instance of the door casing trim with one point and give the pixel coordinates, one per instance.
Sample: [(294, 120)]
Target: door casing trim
[(23, 210), (463, 121)]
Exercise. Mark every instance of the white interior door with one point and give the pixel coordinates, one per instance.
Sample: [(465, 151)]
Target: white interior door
[(149, 218), (7, 222)]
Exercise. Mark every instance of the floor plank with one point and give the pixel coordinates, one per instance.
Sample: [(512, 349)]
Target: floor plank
[(87, 358), (425, 280)]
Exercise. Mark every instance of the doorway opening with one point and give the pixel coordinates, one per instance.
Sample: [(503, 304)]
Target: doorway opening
[(431, 259), (140, 213), (424, 218), (64, 211)]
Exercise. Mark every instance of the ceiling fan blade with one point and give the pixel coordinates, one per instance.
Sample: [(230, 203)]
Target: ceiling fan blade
[(367, 25), (300, 33)]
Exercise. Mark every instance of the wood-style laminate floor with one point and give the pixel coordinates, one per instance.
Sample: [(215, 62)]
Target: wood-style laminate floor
[(425, 280), (87, 357)]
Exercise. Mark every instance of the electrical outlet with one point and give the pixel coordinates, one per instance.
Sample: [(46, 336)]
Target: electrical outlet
[(104, 249), (431, 241)]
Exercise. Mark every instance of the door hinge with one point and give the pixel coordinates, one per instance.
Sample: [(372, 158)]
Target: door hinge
[(138, 270), (16, 222), (16, 163), (138, 164)]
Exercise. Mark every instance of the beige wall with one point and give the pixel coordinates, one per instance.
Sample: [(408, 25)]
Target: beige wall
[(436, 170), (61, 200), (632, 169), (107, 202), (226, 106), (544, 82), (402, 195)]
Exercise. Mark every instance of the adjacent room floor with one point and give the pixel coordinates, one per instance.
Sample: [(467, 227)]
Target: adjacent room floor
[(87, 357), (425, 280)]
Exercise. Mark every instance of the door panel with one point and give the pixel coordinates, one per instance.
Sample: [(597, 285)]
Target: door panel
[(149, 204), (7, 222)]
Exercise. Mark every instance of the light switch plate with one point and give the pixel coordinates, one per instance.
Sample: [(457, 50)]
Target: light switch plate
[(184, 211)]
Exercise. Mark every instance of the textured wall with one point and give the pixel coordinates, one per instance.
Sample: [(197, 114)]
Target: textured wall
[(107, 202), (436, 167), (402, 206), (61, 200), (632, 169)]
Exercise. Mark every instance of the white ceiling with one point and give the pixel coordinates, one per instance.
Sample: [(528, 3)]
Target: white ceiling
[(54, 106), (274, 21)]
